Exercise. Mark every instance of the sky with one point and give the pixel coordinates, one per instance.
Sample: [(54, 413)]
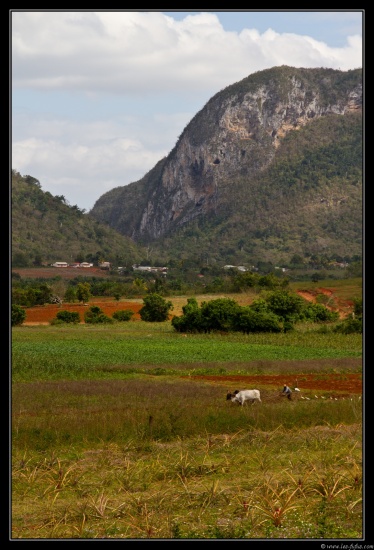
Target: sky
[(98, 97)]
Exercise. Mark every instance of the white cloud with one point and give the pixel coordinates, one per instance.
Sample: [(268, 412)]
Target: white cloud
[(100, 97), (128, 52), (82, 161)]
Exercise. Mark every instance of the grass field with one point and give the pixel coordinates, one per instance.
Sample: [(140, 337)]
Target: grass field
[(124, 432)]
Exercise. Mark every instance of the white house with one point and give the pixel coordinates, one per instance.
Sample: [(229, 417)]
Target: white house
[(149, 269), (238, 267)]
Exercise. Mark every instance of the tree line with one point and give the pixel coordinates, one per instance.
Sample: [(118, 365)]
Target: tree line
[(276, 311)]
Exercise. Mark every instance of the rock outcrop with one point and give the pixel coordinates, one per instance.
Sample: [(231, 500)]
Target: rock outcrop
[(236, 134)]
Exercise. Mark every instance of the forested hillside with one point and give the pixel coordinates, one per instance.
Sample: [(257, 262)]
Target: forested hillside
[(307, 203), (46, 229)]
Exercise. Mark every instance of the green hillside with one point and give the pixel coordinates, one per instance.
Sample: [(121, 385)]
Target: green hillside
[(45, 229), (308, 202)]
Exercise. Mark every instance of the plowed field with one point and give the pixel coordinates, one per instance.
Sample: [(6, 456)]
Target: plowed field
[(63, 272), (314, 386), (43, 315)]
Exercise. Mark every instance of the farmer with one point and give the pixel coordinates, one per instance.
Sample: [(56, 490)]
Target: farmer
[(287, 391)]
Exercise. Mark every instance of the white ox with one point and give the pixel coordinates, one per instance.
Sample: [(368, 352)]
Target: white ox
[(244, 395)]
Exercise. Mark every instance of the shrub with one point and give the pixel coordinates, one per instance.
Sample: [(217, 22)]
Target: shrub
[(219, 314), (191, 320), (18, 315), (68, 316), (224, 314), (286, 305), (269, 281), (38, 294), (358, 307), (247, 320), (260, 305), (96, 315), (123, 315), (350, 325), (353, 323), (288, 326), (155, 308), (245, 280), (318, 312)]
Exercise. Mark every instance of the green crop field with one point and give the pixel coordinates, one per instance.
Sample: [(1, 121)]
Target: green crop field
[(73, 352)]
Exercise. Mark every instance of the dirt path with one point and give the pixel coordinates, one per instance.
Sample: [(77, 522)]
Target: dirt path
[(332, 302)]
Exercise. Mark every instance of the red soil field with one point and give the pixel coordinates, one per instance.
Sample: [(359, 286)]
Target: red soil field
[(63, 272), (329, 384), (43, 315)]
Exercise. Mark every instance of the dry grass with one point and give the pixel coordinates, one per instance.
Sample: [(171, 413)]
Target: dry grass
[(241, 485)]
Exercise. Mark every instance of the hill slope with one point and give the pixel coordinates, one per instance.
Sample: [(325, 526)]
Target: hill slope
[(45, 229), (270, 168)]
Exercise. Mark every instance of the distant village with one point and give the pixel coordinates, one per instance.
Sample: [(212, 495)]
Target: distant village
[(163, 270), (143, 268), (108, 266)]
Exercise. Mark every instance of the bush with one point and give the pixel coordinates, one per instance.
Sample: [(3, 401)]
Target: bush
[(286, 305), (349, 326), (155, 309), (224, 314), (191, 320), (288, 326), (219, 314), (318, 312), (68, 316), (96, 315), (123, 315), (38, 294), (211, 316), (358, 307), (18, 315), (247, 320), (353, 323)]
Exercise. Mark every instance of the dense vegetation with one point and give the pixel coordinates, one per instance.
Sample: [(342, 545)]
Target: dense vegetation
[(310, 195), (274, 312), (45, 229)]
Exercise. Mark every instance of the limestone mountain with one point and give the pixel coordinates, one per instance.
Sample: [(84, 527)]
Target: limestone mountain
[(270, 167)]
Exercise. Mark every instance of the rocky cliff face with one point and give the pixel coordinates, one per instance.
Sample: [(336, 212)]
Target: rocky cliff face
[(237, 133)]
